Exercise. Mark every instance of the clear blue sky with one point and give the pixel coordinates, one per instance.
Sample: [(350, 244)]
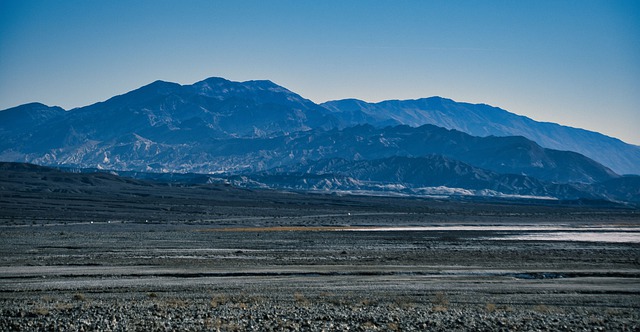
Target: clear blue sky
[(572, 62)]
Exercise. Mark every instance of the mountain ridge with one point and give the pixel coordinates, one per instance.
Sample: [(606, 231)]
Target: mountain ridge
[(217, 126), (416, 176), (486, 120)]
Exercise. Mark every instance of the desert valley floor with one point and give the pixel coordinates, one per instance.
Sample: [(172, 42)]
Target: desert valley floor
[(139, 256)]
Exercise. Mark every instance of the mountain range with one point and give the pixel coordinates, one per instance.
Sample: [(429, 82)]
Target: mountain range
[(259, 134), (484, 120)]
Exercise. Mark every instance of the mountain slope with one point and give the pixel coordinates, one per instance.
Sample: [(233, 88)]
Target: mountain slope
[(429, 175), (163, 111), (154, 122), (24, 128), (244, 128), (512, 155), (485, 120), (515, 155), (427, 171), (626, 188)]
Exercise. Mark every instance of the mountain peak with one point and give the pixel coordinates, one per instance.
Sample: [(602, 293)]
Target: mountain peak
[(219, 108), (219, 81), (147, 91), (25, 117), (214, 80), (33, 107), (160, 85), (267, 84)]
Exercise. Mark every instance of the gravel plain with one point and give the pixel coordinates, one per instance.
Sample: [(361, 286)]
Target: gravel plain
[(140, 257), (121, 277)]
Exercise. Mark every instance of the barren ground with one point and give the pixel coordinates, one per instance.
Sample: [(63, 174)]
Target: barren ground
[(167, 258)]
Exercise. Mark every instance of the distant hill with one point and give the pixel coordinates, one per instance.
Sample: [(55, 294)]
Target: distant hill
[(484, 120), (430, 175), (507, 155)]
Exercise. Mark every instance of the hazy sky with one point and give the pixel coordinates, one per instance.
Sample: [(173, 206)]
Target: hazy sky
[(572, 62)]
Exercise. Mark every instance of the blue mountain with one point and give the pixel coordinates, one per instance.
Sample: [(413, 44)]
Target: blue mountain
[(258, 128), (484, 120)]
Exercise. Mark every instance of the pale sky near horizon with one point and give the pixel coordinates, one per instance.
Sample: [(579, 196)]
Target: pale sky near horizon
[(576, 63)]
